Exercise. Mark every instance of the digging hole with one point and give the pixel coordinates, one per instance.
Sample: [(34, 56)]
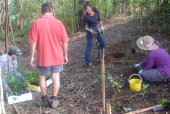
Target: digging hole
[(117, 55), (109, 57)]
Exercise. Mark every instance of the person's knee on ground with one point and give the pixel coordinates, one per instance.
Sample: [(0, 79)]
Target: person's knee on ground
[(152, 75)]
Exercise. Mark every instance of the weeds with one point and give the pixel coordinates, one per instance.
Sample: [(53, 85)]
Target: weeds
[(116, 83), (117, 105), (144, 89), (163, 102)]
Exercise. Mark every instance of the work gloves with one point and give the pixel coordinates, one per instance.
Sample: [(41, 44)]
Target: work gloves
[(140, 71), (139, 68), (93, 32), (101, 30), (136, 65)]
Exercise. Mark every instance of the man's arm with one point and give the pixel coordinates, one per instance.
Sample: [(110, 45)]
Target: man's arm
[(1, 52), (32, 52), (101, 24), (65, 51)]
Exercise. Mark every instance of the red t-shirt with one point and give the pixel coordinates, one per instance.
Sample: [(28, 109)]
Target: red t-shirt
[(48, 33)]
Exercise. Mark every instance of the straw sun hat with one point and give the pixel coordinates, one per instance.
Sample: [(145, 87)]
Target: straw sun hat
[(147, 43)]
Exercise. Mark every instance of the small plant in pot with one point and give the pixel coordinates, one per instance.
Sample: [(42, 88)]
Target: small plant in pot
[(32, 78), (17, 84)]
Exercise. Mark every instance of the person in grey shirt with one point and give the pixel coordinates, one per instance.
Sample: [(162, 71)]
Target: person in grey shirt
[(9, 65)]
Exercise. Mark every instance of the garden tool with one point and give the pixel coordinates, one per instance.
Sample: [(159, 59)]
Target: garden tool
[(133, 50), (95, 35), (97, 44)]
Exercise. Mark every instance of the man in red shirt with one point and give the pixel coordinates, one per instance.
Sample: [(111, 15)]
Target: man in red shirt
[(49, 37)]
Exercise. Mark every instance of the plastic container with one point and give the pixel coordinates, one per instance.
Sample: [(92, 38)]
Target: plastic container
[(135, 83)]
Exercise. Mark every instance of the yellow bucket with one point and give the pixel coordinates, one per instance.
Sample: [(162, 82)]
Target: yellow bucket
[(135, 83)]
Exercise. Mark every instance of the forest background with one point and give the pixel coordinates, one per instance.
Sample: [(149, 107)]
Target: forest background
[(21, 14)]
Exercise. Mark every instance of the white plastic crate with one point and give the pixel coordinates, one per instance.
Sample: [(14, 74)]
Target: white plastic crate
[(20, 98)]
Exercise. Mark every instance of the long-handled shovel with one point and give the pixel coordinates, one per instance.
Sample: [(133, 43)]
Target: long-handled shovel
[(101, 57), (103, 77), (97, 43)]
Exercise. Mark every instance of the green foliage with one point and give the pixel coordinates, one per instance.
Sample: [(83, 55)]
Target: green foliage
[(17, 84), (117, 105), (116, 82), (2, 36), (32, 78), (144, 89), (149, 12), (163, 102)]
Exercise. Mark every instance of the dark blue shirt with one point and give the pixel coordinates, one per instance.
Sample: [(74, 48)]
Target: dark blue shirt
[(91, 21)]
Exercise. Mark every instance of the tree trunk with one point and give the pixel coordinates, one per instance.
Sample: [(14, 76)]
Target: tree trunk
[(6, 26)]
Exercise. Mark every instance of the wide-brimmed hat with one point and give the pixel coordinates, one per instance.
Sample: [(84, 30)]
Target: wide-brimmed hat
[(15, 50), (147, 43)]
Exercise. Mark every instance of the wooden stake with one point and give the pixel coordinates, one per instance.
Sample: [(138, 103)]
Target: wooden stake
[(143, 110), (6, 26), (2, 107), (109, 109), (10, 25), (16, 110), (103, 78)]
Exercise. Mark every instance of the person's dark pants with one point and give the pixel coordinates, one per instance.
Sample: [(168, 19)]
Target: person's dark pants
[(90, 40), (154, 75)]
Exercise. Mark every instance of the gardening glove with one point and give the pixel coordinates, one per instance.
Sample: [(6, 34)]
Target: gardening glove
[(102, 30), (93, 32), (140, 71), (136, 65)]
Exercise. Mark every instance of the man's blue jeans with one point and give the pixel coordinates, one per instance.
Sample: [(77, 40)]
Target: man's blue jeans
[(90, 40)]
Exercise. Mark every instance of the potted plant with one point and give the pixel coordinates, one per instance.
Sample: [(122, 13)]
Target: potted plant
[(19, 91), (33, 80), (17, 85)]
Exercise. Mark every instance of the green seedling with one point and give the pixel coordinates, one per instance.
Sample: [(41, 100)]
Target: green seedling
[(32, 78), (144, 89), (116, 84), (117, 105), (163, 102), (17, 84)]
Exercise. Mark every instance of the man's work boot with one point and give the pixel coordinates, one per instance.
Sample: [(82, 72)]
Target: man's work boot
[(45, 102), (54, 102)]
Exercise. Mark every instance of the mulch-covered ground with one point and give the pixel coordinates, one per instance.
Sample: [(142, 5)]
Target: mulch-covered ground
[(81, 92)]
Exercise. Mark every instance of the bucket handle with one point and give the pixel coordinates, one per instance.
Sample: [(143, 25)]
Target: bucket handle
[(137, 75)]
